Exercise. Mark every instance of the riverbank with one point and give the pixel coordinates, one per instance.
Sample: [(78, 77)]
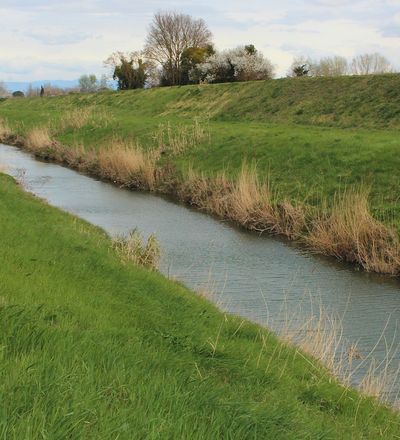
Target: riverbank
[(330, 182), (95, 347)]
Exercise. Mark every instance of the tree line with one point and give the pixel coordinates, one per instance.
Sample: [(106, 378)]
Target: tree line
[(179, 50), (366, 64)]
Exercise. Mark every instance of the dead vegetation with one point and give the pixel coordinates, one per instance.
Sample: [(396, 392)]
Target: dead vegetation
[(321, 336), (128, 165), (176, 140), (346, 230), (75, 118), (38, 140), (349, 232), (245, 201), (134, 249), (5, 131)]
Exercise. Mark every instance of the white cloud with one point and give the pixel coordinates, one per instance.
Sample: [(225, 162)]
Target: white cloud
[(44, 39)]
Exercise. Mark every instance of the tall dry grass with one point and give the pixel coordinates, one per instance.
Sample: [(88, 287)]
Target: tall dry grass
[(134, 249), (75, 118), (349, 232), (178, 139), (123, 163), (128, 165), (346, 231), (5, 131), (321, 336), (38, 140), (245, 201)]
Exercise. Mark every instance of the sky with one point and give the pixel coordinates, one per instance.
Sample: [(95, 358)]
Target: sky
[(52, 39)]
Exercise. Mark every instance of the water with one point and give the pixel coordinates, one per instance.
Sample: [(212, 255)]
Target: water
[(261, 278)]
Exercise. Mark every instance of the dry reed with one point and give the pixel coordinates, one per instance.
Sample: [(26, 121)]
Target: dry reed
[(321, 337), (75, 118), (128, 165), (38, 140), (177, 140), (5, 131), (244, 201), (349, 232), (132, 248)]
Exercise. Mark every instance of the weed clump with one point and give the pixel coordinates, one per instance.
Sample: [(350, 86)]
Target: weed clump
[(128, 165), (39, 141), (5, 131), (134, 249), (178, 140), (346, 230)]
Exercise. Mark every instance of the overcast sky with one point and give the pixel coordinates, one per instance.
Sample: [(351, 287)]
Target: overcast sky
[(52, 39)]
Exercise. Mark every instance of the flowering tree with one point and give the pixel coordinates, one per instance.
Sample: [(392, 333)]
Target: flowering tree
[(243, 63)]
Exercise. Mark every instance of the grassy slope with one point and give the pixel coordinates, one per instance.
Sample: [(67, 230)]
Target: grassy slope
[(311, 137), (94, 349)]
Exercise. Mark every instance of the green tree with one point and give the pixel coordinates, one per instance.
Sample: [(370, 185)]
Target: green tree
[(190, 59), (130, 70)]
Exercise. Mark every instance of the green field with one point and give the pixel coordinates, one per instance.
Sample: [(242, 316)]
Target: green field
[(93, 348), (311, 137)]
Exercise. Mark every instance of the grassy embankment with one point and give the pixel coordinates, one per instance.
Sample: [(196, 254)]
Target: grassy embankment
[(322, 145), (95, 348)]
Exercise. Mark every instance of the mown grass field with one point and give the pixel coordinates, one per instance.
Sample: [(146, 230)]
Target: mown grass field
[(311, 137), (93, 348)]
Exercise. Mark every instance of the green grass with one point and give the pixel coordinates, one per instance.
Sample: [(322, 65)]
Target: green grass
[(312, 137), (92, 348)]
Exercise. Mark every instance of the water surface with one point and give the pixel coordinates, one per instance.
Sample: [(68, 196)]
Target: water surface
[(257, 277)]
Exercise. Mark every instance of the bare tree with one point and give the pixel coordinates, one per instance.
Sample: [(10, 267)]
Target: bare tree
[(32, 91), (331, 66), (4, 93), (169, 35), (370, 64)]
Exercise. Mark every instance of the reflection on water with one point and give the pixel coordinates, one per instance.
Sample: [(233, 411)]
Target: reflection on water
[(256, 277)]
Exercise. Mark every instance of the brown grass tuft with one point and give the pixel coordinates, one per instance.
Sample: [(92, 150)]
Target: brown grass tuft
[(321, 336), (177, 140), (250, 203), (5, 131), (128, 165), (75, 118), (350, 233), (132, 248), (244, 201), (38, 140), (347, 231)]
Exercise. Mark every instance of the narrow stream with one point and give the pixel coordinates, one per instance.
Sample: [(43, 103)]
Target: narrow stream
[(258, 277)]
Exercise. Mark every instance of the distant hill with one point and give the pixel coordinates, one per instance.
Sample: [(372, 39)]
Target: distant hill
[(12, 86)]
